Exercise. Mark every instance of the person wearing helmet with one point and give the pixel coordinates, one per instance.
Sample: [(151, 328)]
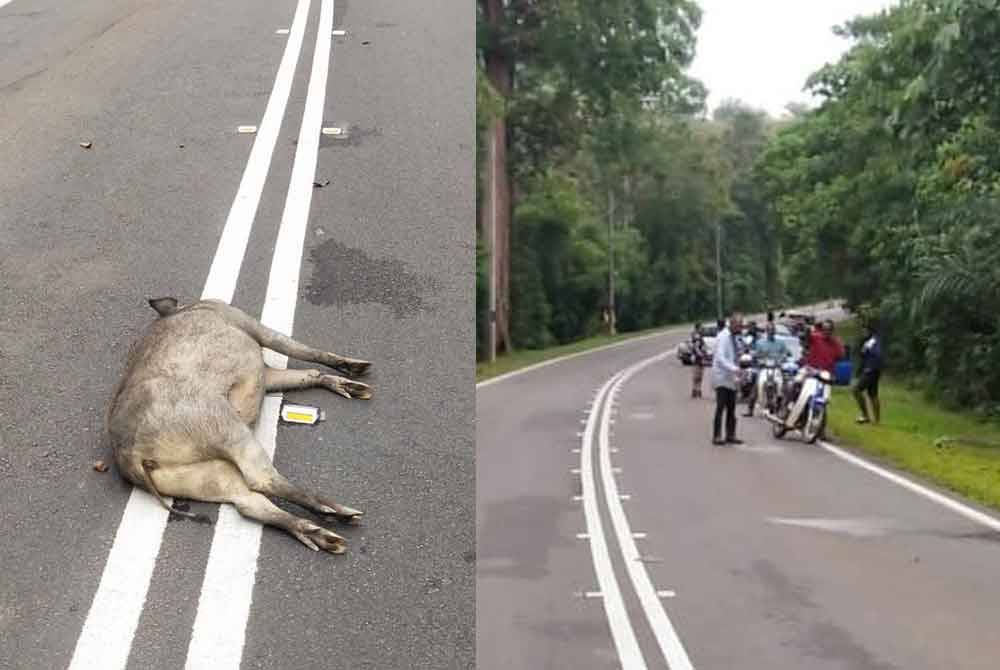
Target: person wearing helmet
[(767, 347)]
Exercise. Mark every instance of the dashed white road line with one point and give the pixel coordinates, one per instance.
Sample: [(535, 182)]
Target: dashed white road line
[(224, 606), (663, 630), (622, 633), (106, 638)]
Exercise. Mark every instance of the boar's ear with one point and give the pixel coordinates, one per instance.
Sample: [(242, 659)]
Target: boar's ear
[(164, 306)]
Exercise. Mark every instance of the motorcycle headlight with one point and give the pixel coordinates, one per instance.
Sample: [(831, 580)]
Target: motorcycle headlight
[(825, 376)]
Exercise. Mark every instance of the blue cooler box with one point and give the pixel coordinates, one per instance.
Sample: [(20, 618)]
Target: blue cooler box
[(842, 372)]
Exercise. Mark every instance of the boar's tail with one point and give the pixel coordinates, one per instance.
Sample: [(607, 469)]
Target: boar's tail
[(148, 466), (164, 306)]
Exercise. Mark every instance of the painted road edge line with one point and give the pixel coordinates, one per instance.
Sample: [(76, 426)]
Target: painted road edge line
[(672, 330), (614, 606), (108, 631), (950, 503), (219, 631), (652, 604)]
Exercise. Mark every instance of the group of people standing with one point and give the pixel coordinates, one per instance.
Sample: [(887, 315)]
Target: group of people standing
[(823, 349)]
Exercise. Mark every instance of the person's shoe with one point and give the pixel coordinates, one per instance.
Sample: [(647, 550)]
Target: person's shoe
[(861, 419), (717, 442), (733, 440)]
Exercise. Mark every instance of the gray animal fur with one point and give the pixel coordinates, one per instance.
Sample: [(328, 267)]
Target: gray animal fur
[(180, 420)]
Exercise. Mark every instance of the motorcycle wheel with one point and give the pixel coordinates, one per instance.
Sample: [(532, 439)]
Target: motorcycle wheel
[(778, 429), (815, 424)]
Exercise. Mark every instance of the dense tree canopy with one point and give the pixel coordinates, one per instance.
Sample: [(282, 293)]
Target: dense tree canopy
[(894, 179), (886, 193)]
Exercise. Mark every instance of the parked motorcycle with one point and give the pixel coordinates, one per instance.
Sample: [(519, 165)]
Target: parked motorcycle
[(803, 406)]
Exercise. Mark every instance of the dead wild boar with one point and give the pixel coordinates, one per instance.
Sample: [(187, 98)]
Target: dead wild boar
[(180, 421)]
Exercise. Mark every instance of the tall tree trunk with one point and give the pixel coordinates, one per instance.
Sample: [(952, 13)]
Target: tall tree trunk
[(499, 65)]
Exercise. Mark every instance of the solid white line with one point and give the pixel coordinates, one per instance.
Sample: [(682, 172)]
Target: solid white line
[(225, 270), (227, 591), (106, 638), (629, 653), (968, 512), (666, 637)]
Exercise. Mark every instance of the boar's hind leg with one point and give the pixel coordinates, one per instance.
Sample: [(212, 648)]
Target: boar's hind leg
[(291, 380), (261, 476), (220, 481)]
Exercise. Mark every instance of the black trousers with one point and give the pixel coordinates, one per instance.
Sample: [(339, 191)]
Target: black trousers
[(725, 400)]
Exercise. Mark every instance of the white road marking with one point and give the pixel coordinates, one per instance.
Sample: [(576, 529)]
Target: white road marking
[(852, 527), (224, 606), (4, 2), (666, 637), (281, 31), (106, 638), (955, 506), (666, 594), (626, 644), (339, 33), (225, 270)]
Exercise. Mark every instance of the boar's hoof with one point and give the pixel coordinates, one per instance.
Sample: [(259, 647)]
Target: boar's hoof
[(347, 388), (353, 367), (316, 538)]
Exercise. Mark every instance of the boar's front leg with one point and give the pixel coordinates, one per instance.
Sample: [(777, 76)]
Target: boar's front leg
[(293, 380)]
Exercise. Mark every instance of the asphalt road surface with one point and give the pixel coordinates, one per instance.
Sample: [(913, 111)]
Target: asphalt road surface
[(613, 534), (377, 266)]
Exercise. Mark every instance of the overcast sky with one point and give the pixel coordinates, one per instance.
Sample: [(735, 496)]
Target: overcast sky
[(762, 51)]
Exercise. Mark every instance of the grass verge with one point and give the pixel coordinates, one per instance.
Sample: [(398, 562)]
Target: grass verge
[(911, 425)]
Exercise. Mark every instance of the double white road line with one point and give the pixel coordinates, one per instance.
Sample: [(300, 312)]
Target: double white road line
[(223, 608), (597, 430)]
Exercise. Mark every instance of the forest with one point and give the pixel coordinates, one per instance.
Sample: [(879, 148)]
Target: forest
[(594, 151)]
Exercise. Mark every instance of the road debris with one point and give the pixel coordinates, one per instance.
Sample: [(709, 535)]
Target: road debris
[(246, 130), (321, 184), (101, 466), (86, 145)]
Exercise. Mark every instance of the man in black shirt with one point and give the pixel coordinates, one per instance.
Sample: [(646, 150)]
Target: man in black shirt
[(871, 370)]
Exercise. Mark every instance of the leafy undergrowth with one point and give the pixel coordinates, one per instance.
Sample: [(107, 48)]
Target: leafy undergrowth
[(911, 425)]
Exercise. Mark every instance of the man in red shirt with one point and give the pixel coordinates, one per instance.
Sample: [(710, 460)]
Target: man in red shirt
[(825, 349)]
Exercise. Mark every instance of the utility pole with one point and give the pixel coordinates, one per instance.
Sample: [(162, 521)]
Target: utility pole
[(718, 265), (611, 261), (492, 316)]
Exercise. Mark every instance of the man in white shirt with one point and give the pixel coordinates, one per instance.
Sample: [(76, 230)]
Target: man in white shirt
[(725, 379)]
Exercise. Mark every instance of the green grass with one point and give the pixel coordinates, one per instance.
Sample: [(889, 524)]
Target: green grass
[(906, 440), (522, 359)]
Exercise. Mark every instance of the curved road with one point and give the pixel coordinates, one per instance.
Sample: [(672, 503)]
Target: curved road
[(613, 534), (372, 264)]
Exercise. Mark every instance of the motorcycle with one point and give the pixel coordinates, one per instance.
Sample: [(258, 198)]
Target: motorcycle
[(748, 377), (770, 382), (803, 405)]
